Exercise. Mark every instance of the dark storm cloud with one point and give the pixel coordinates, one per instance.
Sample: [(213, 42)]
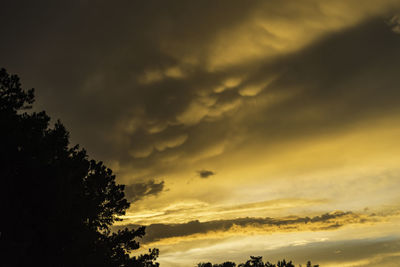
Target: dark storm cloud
[(343, 79), (92, 56), (205, 173), (122, 76), (155, 232), (138, 191)]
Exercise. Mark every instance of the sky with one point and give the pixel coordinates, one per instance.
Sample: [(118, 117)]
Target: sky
[(239, 128)]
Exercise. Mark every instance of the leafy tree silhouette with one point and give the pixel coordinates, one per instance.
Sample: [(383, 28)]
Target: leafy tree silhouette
[(57, 205), (225, 264), (254, 262), (309, 264)]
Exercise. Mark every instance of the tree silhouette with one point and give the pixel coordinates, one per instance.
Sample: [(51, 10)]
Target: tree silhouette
[(57, 205), (254, 262), (209, 264), (309, 264), (228, 264)]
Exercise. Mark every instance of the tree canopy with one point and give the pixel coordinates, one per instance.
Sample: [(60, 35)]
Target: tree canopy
[(57, 205), (254, 261)]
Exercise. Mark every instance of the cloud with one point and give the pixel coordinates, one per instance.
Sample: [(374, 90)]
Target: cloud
[(394, 23), (328, 86), (192, 210), (171, 142), (356, 252), (138, 191), (205, 173), (170, 76), (245, 226)]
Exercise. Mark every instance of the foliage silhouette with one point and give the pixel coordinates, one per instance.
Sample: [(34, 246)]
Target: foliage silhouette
[(57, 205), (254, 262)]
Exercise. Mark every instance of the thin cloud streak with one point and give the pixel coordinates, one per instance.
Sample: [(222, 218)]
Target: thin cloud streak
[(244, 226), (191, 211)]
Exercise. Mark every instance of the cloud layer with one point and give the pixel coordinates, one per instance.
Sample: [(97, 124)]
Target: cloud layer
[(245, 226), (152, 92), (293, 104)]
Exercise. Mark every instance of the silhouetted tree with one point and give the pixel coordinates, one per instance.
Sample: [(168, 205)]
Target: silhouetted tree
[(228, 264), (254, 262), (283, 263), (57, 205), (209, 264), (309, 264)]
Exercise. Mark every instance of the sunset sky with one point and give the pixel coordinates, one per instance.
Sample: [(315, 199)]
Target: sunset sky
[(240, 128)]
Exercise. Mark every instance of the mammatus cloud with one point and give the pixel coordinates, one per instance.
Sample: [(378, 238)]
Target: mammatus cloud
[(282, 100), (394, 23), (168, 86), (205, 173), (159, 145), (172, 233), (138, 191)]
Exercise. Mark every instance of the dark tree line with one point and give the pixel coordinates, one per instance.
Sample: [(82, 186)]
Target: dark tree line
[(254, 262), (57, 205)]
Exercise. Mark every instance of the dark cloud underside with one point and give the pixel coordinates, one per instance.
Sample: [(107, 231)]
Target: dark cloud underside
[(343, 78), (138, 191), (205, 173), (155, 232)]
